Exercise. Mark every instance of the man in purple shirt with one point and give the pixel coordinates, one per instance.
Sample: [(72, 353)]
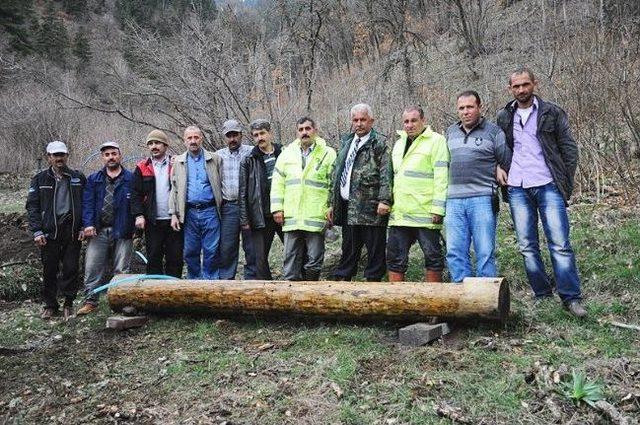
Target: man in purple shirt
[(539, 183)]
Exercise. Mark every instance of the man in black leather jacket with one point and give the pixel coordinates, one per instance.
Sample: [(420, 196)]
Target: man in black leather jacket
[(54, 208), (255, 185)]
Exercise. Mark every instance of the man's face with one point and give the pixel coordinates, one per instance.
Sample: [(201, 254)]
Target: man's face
[(522, 87), (262, 138), (111, 158), (58, 160), (157, 149), (233, 140), (412, 123), (193, 140), (361, 123), (468, 111), (306, 132)]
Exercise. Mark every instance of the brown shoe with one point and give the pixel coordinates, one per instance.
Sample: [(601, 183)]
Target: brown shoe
[(432, 276), (396, 277), (86, 309), (48, 313)]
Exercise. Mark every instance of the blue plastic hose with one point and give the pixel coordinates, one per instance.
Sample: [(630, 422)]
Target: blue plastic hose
[(131, 279)]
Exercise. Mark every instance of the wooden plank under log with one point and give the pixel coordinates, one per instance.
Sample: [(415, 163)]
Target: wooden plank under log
[(486, 298)]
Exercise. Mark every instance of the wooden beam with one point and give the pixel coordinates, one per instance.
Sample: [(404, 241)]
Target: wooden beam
[(476, 297)]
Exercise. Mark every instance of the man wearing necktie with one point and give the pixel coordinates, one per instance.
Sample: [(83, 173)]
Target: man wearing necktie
[(361, 197)]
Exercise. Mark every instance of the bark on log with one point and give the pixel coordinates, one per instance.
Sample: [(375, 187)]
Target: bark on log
[(486, 298)]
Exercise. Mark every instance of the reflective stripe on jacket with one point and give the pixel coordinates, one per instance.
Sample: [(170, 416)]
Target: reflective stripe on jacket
[(420, 180), (303, 195)]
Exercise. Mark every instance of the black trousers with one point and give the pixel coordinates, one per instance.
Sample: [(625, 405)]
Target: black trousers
[(63, 251), (374, 238), (164, 243), (400, 240), (262, 240)]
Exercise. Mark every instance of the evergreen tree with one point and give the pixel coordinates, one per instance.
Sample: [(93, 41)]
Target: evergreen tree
[(75, 7), (53, 39), (82, 50), (15, 17)]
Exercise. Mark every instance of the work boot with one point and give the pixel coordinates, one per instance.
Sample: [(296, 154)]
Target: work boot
[(86, 309), (395, 276), (432, 275), (311, 275), (48, 313), (575, 307)]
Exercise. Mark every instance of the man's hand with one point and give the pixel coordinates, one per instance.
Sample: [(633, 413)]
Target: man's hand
[(140, 222), (89, 232), (278, 217), (245, 227), (383, 209), (436, 219), (329, 216), (81, 235), (175, 223), (40, 240), (501, 176)]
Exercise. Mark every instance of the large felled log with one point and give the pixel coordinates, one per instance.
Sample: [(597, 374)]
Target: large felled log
[(475, 297)]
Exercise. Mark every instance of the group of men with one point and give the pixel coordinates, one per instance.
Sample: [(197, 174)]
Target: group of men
[(194, 207)]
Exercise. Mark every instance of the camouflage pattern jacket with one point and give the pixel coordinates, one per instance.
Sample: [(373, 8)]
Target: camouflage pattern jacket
[(369, 183)]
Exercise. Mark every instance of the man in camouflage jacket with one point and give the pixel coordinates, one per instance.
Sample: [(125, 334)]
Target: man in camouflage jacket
[(361, 197)]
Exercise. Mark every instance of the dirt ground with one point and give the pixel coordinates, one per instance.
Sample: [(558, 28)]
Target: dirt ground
[(16, 243)]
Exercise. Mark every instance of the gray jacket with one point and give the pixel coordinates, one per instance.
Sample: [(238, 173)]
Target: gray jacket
[(178, 195), (558, 146)]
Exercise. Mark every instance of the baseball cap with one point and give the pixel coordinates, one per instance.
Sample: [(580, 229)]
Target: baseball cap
[(158, 136), (57, 147), (109, 144), (231, 125)]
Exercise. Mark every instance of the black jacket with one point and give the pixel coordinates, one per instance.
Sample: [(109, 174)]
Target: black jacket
[(254, 197), (143, 190), (41, 202), (558, 146)]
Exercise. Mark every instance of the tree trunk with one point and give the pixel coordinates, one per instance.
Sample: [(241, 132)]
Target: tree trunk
[(476, 297)]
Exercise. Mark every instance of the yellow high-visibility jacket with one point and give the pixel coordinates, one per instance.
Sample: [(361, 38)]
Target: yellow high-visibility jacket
[(420, 180), (303, 195)]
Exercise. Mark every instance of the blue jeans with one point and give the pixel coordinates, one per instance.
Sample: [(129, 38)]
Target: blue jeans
[(547, 202), (230, 245), (470, 219), (201, 240)]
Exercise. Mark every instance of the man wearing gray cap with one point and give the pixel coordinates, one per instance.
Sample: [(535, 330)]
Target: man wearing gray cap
[(54, 209), (232, 156), (108, 223)]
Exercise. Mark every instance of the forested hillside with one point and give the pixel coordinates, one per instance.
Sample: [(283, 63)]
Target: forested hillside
[(88, 70)]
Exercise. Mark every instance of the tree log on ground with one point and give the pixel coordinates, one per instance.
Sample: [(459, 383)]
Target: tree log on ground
[(486, 298)]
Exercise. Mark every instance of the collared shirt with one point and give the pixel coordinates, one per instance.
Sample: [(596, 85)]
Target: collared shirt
[(528, 166), (199, 189), (305, 154), (163, 187), (346, 188), (474, 155), (231, 170)]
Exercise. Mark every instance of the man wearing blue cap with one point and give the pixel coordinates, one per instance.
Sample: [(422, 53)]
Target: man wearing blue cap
[(54, 206)]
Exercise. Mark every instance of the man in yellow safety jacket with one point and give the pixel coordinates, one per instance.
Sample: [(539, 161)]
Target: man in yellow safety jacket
[(300, 200), (420, 164)]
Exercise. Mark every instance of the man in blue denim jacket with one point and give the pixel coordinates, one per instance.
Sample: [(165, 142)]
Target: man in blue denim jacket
[(108, 223)]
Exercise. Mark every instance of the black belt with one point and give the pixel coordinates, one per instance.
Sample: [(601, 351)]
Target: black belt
[(201, 206), (226, 201)]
